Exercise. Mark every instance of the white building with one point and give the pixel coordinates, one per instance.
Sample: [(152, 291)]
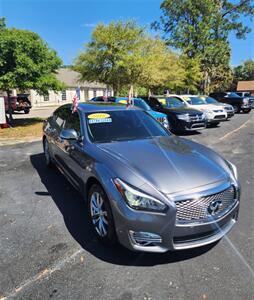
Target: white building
[(69, 77)]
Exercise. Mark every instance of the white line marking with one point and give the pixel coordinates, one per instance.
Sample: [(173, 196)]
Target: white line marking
[(43, 274)]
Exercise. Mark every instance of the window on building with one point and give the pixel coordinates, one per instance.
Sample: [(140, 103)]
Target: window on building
[(94, 93), (64, 95), (46, 97)]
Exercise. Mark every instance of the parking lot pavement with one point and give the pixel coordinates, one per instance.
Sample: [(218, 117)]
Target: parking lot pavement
[(41, 112), (48, 252)]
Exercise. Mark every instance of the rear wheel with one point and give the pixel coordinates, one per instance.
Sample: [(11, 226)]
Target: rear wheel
[(100, 215)]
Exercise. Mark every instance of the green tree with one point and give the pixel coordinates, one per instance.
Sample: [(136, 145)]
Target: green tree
[(197, 28), (244, 71), (159, 67), (26, 62), (193, 74), (112, 56)]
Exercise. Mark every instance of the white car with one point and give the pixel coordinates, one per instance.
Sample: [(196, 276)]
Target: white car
[(214, 114), (227, 107)]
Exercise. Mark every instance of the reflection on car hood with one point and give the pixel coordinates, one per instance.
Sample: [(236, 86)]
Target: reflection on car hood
[(170, 164)]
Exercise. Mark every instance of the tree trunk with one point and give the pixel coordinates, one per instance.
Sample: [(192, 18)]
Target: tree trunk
[(9, 107)]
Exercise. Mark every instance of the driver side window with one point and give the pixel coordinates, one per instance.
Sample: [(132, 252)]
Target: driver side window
[(73, 122)]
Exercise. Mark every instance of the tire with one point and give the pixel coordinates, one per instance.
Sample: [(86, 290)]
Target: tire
[(47, 154), (214, 124), (246, 111), (100, 215), (237, 109), (26, 110)]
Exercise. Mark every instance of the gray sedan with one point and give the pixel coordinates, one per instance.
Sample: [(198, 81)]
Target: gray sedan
[(144, 187)]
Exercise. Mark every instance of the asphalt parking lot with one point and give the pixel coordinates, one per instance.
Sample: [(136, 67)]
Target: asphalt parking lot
[(47, 250)]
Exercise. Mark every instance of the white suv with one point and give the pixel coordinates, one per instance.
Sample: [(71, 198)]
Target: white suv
[(214, 114)]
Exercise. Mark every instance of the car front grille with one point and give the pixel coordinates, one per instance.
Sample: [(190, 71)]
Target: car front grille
[(199, 210), (220, 117), (196, 118)]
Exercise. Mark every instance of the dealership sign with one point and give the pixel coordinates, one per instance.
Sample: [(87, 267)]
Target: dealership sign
[(2, 111)]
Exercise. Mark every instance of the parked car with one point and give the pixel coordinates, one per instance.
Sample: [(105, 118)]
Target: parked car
[(144, 187), (239, 103), (180, 117), (227, 107), (214, 115), (103, 99), (138, 102), (18, 103), (247, 95)]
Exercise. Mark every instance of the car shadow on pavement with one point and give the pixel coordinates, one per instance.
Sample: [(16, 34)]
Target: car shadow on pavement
[(74, 212)]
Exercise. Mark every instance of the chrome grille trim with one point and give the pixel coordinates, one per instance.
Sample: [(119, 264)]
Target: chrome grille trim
[(196, 210), (196, 117)]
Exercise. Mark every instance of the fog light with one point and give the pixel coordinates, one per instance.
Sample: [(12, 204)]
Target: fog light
[(145, 238)]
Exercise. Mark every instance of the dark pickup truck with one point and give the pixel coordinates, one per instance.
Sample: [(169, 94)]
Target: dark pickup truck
[(239, 103)]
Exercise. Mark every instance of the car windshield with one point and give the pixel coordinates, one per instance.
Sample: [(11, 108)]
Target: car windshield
[(122, 125), (173, 102), (210, 100), (195, 100), (137, 102), (141, 104), (232, 95)]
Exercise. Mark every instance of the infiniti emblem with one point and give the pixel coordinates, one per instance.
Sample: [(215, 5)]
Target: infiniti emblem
[(214, 206)]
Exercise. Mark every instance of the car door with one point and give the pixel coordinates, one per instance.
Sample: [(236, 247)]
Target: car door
[(73, 157)]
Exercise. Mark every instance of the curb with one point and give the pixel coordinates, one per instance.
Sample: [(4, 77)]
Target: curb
[(9, 142)]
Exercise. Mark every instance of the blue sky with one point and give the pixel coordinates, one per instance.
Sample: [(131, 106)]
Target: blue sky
[(67, 24)]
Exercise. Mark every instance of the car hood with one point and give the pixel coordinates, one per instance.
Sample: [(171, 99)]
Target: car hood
[(170, 164), (183, 110), (205, 106)]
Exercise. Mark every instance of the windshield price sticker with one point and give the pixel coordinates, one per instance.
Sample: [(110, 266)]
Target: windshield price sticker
[(123, 101), (99, 118), (186, 98), (162, 101)]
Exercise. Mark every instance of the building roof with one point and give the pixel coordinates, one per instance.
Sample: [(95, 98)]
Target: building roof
[(71, 79), (245, 86)]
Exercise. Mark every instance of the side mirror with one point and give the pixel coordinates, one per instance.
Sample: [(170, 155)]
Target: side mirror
[(69, 134)]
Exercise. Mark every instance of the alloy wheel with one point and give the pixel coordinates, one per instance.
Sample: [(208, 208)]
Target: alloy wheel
[(99, 214)]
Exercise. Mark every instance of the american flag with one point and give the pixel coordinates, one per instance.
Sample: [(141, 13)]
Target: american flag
[(75, 100), (130, 98)]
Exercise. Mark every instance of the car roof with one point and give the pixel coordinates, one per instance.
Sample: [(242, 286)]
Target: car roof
[(103, 106)]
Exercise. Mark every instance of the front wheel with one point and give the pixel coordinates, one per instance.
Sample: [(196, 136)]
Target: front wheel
[(47, 154), (237, 109), (100, 215), (26, 110)]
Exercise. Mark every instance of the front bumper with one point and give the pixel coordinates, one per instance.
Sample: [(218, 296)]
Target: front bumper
[(170, 234), (192, 125)]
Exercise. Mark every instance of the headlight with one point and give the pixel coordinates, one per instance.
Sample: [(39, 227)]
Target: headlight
[(137, 199), (233, 169), (165, 122), (184, 117), (245, 100)]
